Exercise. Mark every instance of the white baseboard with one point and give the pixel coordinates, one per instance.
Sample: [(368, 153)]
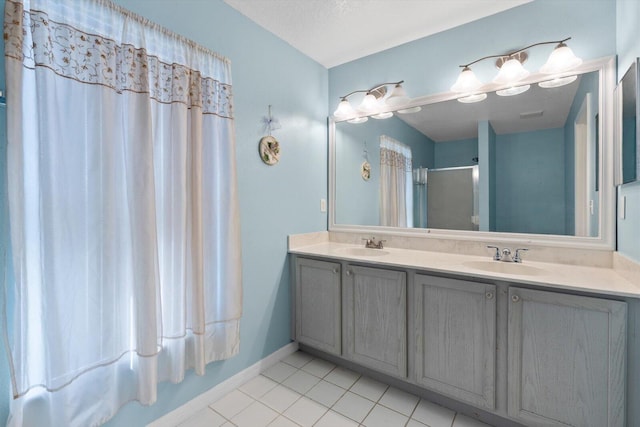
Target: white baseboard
[(200, 402)]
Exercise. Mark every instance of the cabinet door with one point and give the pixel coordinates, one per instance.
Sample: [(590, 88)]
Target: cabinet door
[(566, 359), (375, 312), (455, 325), (318, 295)]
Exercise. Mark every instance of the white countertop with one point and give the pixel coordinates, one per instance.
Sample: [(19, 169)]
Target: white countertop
[(579, 278)]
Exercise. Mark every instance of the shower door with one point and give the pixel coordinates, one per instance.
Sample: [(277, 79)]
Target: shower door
[(452, 198)]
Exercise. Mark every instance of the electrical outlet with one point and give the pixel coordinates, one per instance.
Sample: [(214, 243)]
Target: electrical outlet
[(323, 205)]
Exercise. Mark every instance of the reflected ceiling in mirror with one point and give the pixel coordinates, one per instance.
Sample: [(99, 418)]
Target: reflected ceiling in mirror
[(536, 109), (537, 157)]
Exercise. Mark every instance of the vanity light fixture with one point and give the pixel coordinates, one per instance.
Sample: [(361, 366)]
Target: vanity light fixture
[(557, 82), (373, 104), (409, 110), (473, 98), (467, 81), (344, 109), (513, 90), (561, 59), (369, 104), (380, 116), (511, 71), (398, 96)]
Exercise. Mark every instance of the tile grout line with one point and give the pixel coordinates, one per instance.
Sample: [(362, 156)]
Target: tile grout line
[(305, 394), (375, 403), (413, 412), (326, 408)]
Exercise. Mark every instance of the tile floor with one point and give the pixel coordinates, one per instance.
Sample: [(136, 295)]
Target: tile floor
[(302, 391)]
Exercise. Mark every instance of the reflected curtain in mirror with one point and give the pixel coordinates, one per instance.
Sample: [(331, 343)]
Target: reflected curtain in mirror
[(396, 185), (123, 210)]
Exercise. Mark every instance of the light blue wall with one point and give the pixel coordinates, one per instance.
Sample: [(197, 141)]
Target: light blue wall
[(588, 84), (358, 201), (529, 182), (274, 201), (487, 171), (451, 154), (628, 48)]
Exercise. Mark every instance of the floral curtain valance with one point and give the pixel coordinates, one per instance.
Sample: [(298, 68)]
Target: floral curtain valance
[(394, 153), (98, 59)]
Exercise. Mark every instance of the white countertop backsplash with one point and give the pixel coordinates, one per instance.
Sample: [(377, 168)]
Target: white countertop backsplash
[(602, 272)]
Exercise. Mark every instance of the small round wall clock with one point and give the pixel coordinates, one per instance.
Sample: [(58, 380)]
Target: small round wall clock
[(269, 150)]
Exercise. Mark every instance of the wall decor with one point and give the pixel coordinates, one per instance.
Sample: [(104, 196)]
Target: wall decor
[(365, 167), (365, 170), (269, 147), (269, 150)]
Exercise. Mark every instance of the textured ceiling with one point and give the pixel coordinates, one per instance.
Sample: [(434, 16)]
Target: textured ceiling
[(333, 32)]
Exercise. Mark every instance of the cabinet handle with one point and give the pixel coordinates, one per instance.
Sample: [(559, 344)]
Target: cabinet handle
[(515, 298), (489, 295), (349, 273), (336, 270)]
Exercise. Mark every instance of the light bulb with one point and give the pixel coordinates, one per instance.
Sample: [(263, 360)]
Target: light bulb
[(369, 104), (561, 59), (398, 96), (382, 115), (510, 72), (410, 110), (514, 90), (467, 82), (358, 120), (557, 82), (473, 98), (344, 110)]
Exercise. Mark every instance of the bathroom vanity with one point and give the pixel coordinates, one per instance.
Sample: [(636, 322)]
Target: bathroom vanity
[(536, 343), (552, 341)]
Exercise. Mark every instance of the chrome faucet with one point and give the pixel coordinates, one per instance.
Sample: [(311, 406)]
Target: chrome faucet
[(372, 244), (505, 254), (517, 257)]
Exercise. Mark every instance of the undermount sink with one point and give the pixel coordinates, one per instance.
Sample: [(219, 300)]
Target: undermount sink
[(363, 251), (505, 268)]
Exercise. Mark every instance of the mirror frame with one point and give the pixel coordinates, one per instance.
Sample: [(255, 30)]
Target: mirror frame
[(606, 222)]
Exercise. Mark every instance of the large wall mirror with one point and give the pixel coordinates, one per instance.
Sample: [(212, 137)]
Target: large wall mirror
[(535, 167)]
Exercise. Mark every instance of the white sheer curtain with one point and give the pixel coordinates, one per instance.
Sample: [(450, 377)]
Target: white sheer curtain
[(396, 184), (123, 210)]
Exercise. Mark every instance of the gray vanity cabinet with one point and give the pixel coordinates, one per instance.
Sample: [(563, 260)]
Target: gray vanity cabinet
[(375, 315), (455, 326), (318, 295), (566, 362)]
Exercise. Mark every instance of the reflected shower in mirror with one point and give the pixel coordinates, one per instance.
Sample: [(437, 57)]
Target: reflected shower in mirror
[(532, 157)]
